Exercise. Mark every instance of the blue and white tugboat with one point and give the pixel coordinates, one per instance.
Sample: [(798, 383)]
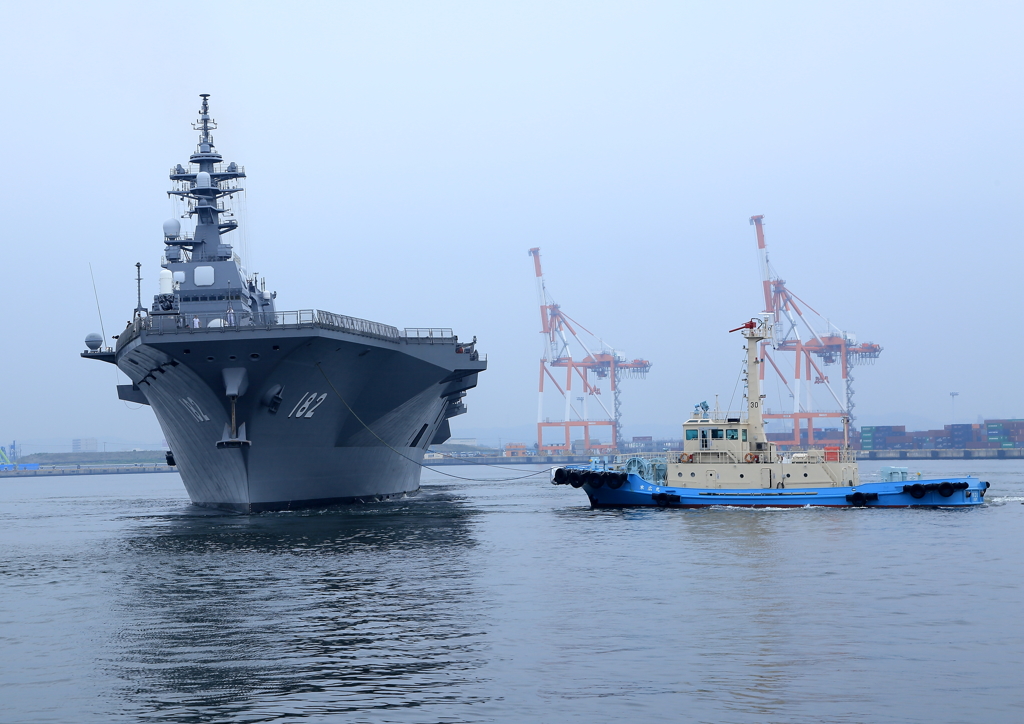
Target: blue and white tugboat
[(727, 460)]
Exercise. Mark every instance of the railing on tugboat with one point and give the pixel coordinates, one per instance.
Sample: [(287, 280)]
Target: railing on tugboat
[(720, 417), (828, 454)]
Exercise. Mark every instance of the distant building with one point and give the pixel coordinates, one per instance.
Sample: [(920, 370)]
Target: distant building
[(643, 443), (517, 450), (84, 444)]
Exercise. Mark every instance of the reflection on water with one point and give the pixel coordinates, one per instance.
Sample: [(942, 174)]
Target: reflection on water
[(371, 604), (505, 602)]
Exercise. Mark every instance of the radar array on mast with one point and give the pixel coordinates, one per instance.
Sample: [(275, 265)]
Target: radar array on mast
[(606, 364)]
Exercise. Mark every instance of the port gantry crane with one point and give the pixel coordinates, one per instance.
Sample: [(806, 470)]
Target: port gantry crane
[(607, 364), (795, 333)]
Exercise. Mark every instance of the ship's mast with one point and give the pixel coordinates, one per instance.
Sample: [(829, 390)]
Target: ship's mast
[(202, 186), (755, 331)]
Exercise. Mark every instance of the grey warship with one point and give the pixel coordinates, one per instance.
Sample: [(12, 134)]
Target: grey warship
[(273, 410)]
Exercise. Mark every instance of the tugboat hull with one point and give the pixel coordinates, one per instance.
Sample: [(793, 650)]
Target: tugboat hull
[(637, 492)]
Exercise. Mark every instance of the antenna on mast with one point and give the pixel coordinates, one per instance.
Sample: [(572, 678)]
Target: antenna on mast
[(138, 288), (97, 296), (205, 123)]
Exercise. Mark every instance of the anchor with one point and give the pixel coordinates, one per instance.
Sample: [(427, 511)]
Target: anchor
[(236, 382)]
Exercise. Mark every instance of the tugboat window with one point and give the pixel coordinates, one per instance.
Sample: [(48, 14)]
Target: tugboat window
[(732, 434), (693, 475), (717, 433), (691, 434), (744, 435)]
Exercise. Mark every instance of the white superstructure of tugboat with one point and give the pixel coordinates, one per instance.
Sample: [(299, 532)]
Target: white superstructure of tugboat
[(727, 459), (269, 410)]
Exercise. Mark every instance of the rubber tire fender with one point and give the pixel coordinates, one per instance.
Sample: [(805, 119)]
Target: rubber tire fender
[(615, 480), (596, 480), (576, 479), (561, 476), (917, 491), (945, 489)]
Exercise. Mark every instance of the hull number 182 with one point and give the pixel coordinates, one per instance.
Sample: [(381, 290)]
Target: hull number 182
[(307, 404)]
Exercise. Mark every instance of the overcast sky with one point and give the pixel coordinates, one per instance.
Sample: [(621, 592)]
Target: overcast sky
[(403, 157)]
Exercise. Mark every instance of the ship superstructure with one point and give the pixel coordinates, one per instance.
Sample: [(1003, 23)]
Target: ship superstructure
[(266, 409)]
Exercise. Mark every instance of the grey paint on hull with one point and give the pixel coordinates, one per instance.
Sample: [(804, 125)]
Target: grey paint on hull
[(401, 392)]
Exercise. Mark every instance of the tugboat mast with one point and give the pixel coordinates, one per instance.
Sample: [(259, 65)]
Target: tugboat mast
[(754, 332)]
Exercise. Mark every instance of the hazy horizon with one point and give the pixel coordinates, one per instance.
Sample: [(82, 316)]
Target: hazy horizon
[(403, 158)]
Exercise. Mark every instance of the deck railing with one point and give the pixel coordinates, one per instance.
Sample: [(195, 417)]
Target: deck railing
[(429, 335), (227, 322)]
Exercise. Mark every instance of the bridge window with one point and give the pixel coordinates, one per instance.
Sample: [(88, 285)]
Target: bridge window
[(732, 434), (744, 435), (717, 433), (203, 276), (691, 434)]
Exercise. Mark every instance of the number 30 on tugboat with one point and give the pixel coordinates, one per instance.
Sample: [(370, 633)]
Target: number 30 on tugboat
[(727, 460)]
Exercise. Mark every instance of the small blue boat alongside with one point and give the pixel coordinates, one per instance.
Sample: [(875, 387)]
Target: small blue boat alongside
[(728, 460)]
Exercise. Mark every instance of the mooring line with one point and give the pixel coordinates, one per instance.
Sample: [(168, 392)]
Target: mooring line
[(423, 465)]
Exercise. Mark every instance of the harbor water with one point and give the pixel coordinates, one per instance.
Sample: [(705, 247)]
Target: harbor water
[(507, 601)]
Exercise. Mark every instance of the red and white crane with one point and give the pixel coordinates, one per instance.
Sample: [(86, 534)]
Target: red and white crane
[(812, 339), (597, 357)]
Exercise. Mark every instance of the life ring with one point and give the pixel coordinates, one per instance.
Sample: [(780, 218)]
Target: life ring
[(750, 458), (684, 458)]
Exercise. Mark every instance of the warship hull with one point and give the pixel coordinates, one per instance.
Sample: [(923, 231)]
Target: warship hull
[(326, 413)]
